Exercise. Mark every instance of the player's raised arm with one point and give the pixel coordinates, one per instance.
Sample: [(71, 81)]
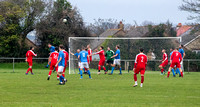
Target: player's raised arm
[(71, 53)]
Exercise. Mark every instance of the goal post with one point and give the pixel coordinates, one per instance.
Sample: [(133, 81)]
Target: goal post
[(129, 47)]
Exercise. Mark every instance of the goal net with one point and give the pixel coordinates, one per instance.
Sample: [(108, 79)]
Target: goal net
[(129, 48)]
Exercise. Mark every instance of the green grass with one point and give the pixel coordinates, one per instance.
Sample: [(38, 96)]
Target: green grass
[(18, 89)]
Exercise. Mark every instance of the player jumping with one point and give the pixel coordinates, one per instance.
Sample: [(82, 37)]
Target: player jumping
[(140, 66), (109, 54), (102, 59), (83, 56), (29, 58), (61, 64), (175, 59), (53, 59), (164, 61), (116, 60)]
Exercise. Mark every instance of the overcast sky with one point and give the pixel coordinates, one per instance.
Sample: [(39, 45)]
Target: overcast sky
[(139, 10)]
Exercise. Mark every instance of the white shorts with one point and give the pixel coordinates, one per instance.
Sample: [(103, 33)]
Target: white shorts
[(60, 68), (116, 62), (84, 64), (79, 64)]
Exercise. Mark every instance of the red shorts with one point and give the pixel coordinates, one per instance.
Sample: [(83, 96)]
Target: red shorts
[(141, 70), (102, 62), (164, 64), (52, 66), (30, 63), (178, 65)]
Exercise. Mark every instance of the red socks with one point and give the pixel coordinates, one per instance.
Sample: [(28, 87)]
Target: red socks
[(135, 77), (31, 70), (50, 72), (99, 68), (181, 74), (168, 74), (63, 75), (104, 68), (162, 70), (28, 70), (142, 79)]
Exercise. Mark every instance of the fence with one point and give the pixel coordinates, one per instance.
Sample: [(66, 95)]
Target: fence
[(190, 65)]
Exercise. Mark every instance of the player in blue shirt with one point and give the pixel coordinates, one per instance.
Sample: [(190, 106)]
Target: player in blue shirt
[(83, 56), (183, 56), (52, 49), (77, 54), (61, 65), (116, 60)]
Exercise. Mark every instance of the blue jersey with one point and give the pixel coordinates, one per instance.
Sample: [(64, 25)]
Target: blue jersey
[(62, 62), (83, 56), (181, 51), (76, 54), (171, 53), (117, 52), (52, 49)]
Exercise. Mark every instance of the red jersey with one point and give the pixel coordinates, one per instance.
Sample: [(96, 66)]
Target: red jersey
[(176, 57), (54, 57), (101, 55), (66, 56), (89, 53), (140, 61), (29, 55), (165, 57)]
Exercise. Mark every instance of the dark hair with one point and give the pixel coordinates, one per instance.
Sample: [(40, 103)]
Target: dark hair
[(56, 48), (61, 46), (177, 48), (172, 48), (102, 47), (141, 50), (181, 45), (31, 48), (118, 46), (49, 43)]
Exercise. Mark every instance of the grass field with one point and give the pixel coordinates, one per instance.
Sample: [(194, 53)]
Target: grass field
[(18, 89)]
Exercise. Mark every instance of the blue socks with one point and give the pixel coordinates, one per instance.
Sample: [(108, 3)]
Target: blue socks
[(113, 68), (120, 69), (61, 78), (173, 71), (89, 73), (81, 73), (177, 71)]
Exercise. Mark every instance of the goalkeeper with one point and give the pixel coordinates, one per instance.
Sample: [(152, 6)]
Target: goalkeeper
[(109, 54)]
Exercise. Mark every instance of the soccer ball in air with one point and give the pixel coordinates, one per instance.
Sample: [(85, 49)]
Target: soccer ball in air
[(64, 20)]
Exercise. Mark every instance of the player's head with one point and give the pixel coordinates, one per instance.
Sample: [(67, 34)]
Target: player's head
[(163, 50), (61, 47), (49, 45), (171, 49), (31, 48), (88, 46), (56, 48), (83, 48), (141, 50), (101, 47), (108, 48), (117, 47), (78, 50), (180, 46)]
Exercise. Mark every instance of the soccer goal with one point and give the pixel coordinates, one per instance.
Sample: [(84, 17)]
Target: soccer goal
[(129, 48)]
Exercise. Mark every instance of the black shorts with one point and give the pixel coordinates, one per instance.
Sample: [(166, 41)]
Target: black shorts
[(109, 61)]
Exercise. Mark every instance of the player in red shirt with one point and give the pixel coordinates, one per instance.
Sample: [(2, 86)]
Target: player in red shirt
[(102, 59), (66, 60), (89, 53), (164, 61), (29, 58), (175, 59), (53, 58), (140, 66)]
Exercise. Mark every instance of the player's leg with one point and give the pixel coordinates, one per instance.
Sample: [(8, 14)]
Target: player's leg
[(28, 68), (99, 69), (63, 74), (120, 68), (179, 67), (113, 67), (174, 75), (88, 70), (81, 69), (136, 71), (60, 71), (161, 68), (170, 68), (50, 71), (142, 77), (102, 64), (107, 66)]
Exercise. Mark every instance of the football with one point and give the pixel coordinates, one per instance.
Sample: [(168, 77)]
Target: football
[(64, 20)]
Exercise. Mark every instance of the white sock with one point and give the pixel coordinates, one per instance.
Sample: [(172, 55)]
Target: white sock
[(141, 84), (135, 82)]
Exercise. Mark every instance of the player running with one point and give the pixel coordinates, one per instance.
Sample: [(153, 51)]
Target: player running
[(83, 56), (29, 58), (52, 49), (109, 54), (61, 64), (102, 59), (66, 60), (116, 60), (175, 59), (164, 61), (77, 54), (53, 59), (140, 66)]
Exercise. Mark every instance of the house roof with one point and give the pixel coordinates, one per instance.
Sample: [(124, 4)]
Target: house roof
[(192, 40), (181, 30), (109, 32), (138, 31)]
